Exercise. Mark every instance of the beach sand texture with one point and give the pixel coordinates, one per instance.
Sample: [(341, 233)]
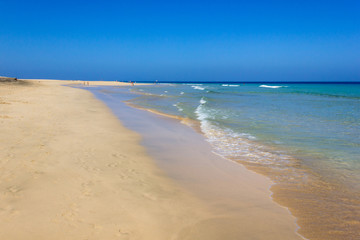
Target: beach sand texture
[(70, 170)]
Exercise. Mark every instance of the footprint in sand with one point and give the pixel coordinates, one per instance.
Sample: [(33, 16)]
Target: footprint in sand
[(113, 165), (14, 189), (86, 189), (149, 196), (117, 155), (123, 234), (9, 210)]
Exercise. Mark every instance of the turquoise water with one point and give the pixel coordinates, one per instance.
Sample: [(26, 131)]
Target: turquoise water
[(304, 137), (317, 123)]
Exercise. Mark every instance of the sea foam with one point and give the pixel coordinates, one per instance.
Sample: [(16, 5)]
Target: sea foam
[(267, 86), (197, 87), (232, 144)]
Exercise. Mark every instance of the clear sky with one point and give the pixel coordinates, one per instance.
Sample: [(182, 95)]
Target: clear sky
[(181, 40)]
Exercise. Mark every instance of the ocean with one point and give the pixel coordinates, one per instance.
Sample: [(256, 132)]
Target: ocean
[(304, 137)]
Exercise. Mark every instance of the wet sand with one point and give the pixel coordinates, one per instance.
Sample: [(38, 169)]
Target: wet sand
[(325, 207), (238, 199), (70, 170)]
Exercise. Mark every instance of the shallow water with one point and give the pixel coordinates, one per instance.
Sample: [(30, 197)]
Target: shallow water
[(234, 197), (305, 137)]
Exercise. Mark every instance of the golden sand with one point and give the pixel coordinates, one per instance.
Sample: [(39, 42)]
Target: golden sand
[(70, 170)]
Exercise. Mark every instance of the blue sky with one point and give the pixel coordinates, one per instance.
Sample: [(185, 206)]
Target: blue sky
[(181, 40)]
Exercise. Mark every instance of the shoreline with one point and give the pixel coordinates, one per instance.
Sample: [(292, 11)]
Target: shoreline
[(72, 170), (299, 189), (157, 119), (195, 125)]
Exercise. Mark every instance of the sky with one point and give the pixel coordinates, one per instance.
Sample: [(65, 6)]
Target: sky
[(181, 40)]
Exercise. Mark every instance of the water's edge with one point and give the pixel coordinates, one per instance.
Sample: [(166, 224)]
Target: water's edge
[(325, 207), (195, 126)]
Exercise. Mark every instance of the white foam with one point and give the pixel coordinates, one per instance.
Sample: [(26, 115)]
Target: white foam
[(201, 113), (177, 106), (230, 144), (233, 144), (267, 86), (240, 135), (225, 85), (234, 85), (198, 88), (182, 93)]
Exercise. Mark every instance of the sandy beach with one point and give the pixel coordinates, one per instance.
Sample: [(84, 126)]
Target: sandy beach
[(69, 169)]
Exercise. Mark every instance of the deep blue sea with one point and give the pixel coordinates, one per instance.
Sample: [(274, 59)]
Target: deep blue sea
[(305, 137)]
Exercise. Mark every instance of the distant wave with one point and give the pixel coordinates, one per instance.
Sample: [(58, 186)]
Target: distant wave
[(267, 86), (198, 88), (230, 85)]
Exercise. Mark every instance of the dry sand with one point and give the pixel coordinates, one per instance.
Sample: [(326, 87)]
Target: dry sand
[(70, 170)]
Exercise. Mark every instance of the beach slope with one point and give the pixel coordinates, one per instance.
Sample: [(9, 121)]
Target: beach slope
[(70, 170)]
